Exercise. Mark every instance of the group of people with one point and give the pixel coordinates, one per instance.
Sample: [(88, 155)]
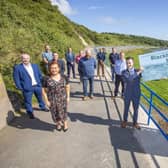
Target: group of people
[(53, 90)]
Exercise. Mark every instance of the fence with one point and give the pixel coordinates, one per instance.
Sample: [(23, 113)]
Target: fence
[(148, 104)]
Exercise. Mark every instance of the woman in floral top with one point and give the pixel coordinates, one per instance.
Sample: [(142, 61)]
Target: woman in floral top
[(56, 92)]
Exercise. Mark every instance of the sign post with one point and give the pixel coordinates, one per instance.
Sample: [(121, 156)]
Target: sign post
[(155, 65)]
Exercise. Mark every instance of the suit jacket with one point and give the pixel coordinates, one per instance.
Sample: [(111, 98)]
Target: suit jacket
[(23, 80), (70, 57), (132, 84)]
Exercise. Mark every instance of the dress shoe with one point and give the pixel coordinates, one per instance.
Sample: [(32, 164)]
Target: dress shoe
[(31, 115), (123, 124), (85, 98), (135, 125), (45, 109), (91, 97)]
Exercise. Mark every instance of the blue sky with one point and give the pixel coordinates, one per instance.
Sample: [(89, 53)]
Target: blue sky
[(138, 17)]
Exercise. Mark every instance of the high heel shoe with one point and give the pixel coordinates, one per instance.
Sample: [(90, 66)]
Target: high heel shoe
[(58, 128), (65, 129)]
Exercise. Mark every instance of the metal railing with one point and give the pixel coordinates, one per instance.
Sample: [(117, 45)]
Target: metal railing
[(149, 101)]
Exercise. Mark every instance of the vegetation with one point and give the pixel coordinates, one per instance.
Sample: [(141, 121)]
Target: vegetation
[(25, 26)]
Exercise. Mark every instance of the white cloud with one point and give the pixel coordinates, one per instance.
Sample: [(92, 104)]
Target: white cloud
[(95, 7), (64, 6), (108, 20)]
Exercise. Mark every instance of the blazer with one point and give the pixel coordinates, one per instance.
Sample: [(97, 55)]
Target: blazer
[(23, 80), (70, 57), (132, 84)]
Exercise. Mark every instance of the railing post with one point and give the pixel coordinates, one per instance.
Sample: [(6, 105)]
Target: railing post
[(150, 107)]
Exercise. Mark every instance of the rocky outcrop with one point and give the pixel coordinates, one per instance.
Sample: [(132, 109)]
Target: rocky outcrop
[(6, 109)]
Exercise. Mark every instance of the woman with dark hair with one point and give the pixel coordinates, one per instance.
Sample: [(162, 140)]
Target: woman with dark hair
[(56, 93)]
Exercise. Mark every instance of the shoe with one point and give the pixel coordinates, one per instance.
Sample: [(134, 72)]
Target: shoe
[(58, 127), (45, 109), (31, 115), (91, 97), (85, 98), (136, 125), (123, 124), (65, 129)]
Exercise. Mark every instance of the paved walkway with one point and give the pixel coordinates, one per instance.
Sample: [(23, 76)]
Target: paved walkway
[(94, 138)]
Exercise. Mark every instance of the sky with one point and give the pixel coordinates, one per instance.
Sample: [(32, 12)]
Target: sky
[(137, 17)]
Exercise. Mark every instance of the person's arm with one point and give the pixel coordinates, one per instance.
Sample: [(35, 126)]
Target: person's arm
[(67, 87), (63, 66), (44, 93), (16, 78), (94, 64), (45, 60)]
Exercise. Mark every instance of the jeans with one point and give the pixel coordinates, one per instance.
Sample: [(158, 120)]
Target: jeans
[(85, 84)]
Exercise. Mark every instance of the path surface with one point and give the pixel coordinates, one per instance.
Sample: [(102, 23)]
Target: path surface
[(94, 138)]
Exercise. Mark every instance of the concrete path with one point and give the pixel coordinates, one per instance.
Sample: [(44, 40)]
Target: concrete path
[(94, 138)]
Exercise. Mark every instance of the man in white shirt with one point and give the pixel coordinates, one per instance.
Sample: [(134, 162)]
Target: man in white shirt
[(27, 78)]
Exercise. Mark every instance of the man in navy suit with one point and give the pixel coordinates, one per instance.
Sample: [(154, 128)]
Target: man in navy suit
[(70, 59), (27, 78), (132, 92)]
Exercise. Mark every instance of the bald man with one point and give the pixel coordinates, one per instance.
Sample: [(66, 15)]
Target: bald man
[(86, 68), (27, 78)]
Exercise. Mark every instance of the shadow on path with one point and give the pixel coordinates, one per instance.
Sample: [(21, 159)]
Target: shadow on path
[(123, 139), (24, 122)]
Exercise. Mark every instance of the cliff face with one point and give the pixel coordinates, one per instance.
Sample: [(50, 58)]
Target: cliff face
[(6, 110)]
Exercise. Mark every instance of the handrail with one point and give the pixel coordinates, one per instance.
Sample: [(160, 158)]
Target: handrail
[(153, 106)]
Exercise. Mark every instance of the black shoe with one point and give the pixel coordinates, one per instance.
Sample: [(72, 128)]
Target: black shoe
[(31, 115), (45, 109), (58, 129), (65, 129)]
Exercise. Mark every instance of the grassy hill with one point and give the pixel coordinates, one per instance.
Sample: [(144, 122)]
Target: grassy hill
[(27, 25)]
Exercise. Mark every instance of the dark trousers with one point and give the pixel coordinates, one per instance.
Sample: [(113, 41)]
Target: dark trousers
[(37, 91), (135, 102), (85, 85), (112, 72), (118, 80), (69, 67), (100, 65)]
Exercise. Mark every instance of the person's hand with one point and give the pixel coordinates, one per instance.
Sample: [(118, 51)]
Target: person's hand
[(140, 70), (48, 104), (68, 99)]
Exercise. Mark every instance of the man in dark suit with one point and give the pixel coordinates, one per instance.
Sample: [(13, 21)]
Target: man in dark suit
[(132, 92), (70, 59), (27, 78)]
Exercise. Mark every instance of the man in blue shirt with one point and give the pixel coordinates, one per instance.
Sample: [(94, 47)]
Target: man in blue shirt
[(47, 56), (101, 56), (86, 68), (132, 92), (112, 58), (70, 59), (120, 65)]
